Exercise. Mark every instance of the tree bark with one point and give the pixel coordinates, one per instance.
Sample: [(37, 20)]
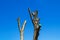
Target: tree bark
[(36, 30), (21, 30), (36, 33)]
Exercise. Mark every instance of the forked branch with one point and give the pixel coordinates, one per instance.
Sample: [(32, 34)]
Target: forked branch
[(21, 29)]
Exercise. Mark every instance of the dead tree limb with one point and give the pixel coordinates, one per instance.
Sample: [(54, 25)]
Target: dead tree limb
[(21, 30), (35, 21)]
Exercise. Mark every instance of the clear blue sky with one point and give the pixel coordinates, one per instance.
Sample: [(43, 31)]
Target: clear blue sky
[(49, 13)]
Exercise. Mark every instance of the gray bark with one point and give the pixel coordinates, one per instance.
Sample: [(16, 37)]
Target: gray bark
[(21, 30)]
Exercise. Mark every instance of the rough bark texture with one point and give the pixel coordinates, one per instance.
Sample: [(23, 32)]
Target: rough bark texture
[(21, 30), (35, 23), (36, 33)]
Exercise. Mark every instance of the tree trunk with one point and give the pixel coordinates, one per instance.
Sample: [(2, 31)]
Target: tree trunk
[(35, 23), (21, 30), (36, 33)]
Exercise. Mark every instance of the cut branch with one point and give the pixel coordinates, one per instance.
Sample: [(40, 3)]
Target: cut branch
[(30, 14), (18, 20), (23, 26)]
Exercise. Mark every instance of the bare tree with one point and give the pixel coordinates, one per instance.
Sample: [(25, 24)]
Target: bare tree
[(21, 30), (35, 21)]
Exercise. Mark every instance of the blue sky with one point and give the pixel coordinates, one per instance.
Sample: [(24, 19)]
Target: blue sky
[(49, 14)]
